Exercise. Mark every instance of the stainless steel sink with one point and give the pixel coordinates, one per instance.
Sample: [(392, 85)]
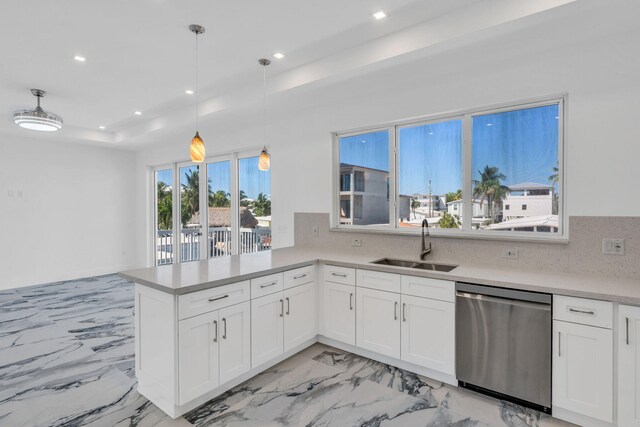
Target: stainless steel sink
[(414, 264)]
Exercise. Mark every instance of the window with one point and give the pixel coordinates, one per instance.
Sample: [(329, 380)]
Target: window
[(475, 172), (364, 161), (237, 218)]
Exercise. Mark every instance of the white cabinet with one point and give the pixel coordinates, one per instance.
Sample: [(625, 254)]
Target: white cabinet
[(235, 341), (301, 315), (198, 355), (337, 312), (428, 333), (267, 333), (628, 366), (378, 321), (583, 369), (214, 348)]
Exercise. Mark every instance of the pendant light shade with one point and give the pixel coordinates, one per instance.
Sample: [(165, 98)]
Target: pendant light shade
[(37, 118), (264, 161), (197, 150)]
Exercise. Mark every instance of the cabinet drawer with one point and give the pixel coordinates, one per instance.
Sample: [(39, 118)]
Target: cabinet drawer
[(584, 311), (377, 280), (196, 303), (266, 285), (426, 287), (299, 276), (332, 273)]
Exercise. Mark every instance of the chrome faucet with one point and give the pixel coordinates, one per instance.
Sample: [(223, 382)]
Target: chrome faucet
[(425, 251)]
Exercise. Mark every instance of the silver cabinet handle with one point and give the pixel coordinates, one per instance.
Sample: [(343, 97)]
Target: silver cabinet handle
[(219, 298), (339, 274), (350, 301), (627, 321), (224, 334), (281, 308), (575, 310), (300, 276), (559, 345), (215, 327), (404, 311), (268, 284), (288, 305), (395, 310)]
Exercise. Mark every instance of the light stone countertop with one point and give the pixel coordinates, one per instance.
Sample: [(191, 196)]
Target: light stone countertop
[(194, 276)]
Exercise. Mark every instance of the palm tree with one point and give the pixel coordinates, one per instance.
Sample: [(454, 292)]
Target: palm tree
[(414, 204), (489, 188), (243, 199), (165, 206), (190, 196), (220, 199), (553, 178), (262, 205)]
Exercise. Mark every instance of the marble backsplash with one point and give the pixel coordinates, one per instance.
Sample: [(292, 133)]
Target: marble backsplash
[(583, 253)]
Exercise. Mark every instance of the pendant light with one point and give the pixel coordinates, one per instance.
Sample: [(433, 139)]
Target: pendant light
[(37, 118), (197, 150), (264, 161)]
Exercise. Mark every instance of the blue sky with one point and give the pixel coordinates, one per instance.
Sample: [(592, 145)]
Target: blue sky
[(252, 180), (523, 144)]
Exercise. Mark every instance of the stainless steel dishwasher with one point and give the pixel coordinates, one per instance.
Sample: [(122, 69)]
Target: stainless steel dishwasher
[(503, 344)]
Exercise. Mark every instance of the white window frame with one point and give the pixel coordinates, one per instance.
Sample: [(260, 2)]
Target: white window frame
[(467, 115), (234, 158)]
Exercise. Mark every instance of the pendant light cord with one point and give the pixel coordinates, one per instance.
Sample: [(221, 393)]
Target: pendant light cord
[(264, 105), (197, 90)]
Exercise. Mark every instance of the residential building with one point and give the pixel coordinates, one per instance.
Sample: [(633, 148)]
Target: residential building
[(528, 199), (364, 195), (480, 210)]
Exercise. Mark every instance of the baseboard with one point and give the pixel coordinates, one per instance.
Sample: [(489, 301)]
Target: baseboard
[(430, 373), (579, 419)]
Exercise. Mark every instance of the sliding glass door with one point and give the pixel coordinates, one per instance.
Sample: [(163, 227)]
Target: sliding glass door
[(219, 215), (189, 213), (163, 214)]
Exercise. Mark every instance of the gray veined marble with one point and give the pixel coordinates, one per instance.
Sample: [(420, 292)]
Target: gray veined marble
[(66, 359)]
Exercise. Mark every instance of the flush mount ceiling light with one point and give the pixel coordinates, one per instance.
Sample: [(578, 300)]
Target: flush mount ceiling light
[(38, 119), (197, 150), (278, 55), (264, 161), (79, 58)]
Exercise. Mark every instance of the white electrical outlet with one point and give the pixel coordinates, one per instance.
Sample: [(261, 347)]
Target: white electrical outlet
[(510, 253), (613, 246), (314, 231), (356, 242)]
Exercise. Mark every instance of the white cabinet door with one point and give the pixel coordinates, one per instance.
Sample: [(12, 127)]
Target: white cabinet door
[(235, 341), (583, 369), (428, 333), (267, 319), (337, 312), (301, 315), (378, 321), (629, 366), (198, 353)]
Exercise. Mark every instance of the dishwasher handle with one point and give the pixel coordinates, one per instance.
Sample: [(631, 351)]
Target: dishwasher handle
[(500, 300)]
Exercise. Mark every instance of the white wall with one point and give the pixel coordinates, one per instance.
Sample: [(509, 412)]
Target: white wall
[(66, 211), (599, 73)]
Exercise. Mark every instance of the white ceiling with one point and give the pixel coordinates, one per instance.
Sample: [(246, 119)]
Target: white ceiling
[(140, 54)]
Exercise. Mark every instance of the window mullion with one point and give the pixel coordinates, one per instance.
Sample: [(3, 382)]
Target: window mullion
[(235, 206), (467, 173), (393, 175)]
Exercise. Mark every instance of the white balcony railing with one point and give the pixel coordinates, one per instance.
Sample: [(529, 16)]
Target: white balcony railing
[(219, 241)]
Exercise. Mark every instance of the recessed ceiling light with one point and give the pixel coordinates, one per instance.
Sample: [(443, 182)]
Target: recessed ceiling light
[(137, 113), (79, 58), (101, 127), (278, 55), (189, 92), (380, 15)]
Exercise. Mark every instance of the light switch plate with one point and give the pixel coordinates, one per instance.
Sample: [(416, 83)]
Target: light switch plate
[(613, 246), (314, 231)]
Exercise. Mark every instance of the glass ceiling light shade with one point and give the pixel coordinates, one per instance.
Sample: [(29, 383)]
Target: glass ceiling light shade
[(264, 161), (197, 150), (37, 118)]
